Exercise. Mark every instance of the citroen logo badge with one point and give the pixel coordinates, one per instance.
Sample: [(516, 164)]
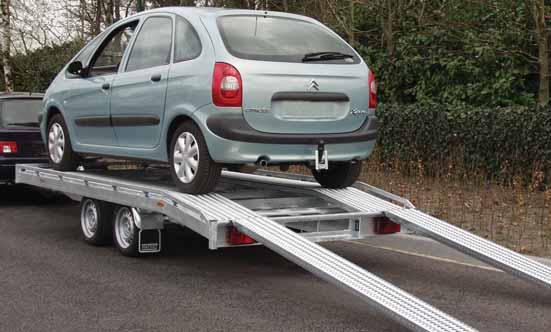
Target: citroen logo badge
[(313, 86)]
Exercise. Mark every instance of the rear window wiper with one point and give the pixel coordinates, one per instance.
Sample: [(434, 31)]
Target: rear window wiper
[(321, 56)]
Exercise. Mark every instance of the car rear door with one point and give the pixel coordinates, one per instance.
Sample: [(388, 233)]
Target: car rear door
[(139, 90)]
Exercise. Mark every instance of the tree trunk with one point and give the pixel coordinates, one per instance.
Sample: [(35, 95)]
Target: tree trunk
[(117, 10), (6, 45), (543, 52), (352, 31), (388, 29), (97, 26), (140, 5), (82, 13), (109, 12)]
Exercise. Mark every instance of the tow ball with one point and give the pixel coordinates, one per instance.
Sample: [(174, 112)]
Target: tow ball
[(321, 157)]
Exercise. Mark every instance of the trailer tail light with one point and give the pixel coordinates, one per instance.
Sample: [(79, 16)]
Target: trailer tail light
[(383, 225), (8, 147), (227, 86), (236, 238), (372, 90)]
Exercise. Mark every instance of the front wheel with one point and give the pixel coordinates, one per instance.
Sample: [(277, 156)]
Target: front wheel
[(60, 151), (339, 174), (192, 168)]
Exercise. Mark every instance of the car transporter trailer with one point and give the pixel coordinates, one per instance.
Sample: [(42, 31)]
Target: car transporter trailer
[(288, 214)]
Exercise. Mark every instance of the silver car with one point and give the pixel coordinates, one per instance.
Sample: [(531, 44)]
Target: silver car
[(202, 89)]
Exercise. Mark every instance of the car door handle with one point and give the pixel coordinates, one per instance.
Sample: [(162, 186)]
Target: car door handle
[(156, 78), (106, 86)]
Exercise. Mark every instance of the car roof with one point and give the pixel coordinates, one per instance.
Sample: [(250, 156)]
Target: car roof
[(21, 95), (216, 11)]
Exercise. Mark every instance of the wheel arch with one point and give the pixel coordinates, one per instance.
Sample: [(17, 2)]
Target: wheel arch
[(52, 110), (174, 123)]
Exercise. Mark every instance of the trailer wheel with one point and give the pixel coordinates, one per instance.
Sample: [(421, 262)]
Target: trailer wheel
[(125, 232), (95, 221)]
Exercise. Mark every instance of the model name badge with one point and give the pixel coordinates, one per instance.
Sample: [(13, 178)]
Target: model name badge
[(258, 110), (356, 111)]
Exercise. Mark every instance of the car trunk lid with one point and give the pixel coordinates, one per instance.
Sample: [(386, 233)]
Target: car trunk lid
[(304, 98)]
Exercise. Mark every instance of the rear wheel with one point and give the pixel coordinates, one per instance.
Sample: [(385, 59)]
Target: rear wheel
[(95, 221), (192, 168), (60, 152), (125, 232), (339, 174)]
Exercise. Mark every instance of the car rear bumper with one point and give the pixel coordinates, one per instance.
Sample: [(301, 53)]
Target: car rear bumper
[(7, 166), (234, 127), (230, 141)]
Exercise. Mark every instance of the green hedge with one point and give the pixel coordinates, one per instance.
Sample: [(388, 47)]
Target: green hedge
[(498, 143)]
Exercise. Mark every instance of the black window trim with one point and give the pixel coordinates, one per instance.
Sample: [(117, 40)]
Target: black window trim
[(174, 38), (135, 37), (106, 41)]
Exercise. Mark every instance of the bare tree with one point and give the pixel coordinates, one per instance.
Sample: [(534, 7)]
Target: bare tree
[(6, 44), (543, 51)]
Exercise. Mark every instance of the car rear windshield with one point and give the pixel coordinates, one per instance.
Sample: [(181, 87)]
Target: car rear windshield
[(20, 112), (280, 39)]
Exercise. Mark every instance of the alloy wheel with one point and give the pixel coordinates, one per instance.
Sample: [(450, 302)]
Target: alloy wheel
[(186, 157), (56, 143)]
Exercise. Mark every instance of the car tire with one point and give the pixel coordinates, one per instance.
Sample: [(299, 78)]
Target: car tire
[(125, 232), (191, 167), (95, 221), (339, 174), (58, 145)]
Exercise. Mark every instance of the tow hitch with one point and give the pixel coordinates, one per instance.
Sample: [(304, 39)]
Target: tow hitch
[(321, 157)]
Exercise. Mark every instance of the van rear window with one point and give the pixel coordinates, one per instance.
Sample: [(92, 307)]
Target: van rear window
[(20, 112), (280, 39)]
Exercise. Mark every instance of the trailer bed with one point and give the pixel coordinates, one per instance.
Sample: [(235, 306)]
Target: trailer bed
[(288, 214)]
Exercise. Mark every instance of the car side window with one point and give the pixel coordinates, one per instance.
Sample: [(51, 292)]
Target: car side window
[(187, 44), (153, 44), (109, 58), (88, 50)]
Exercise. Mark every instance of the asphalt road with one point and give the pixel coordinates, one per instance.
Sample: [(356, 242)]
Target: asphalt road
[(50, 280)]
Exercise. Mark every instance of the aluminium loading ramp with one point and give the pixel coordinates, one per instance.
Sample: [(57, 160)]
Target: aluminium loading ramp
[(209, 214)]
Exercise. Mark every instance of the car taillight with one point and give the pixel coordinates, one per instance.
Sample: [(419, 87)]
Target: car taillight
[(8, 147), (227, 89), (384, 225), (235, 237), (372, 90)]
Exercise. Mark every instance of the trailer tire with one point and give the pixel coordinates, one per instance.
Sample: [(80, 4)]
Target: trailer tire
[(125, 232), (339, 175), (95, 221)]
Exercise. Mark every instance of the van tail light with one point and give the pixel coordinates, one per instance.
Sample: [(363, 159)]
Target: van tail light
[(236, 238), (384, 225), (372, 90), (8, 147), (227, 86)]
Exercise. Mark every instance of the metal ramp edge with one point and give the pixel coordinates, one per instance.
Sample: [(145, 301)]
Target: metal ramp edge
[(392, 301), (473, 245), (450, 235)]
